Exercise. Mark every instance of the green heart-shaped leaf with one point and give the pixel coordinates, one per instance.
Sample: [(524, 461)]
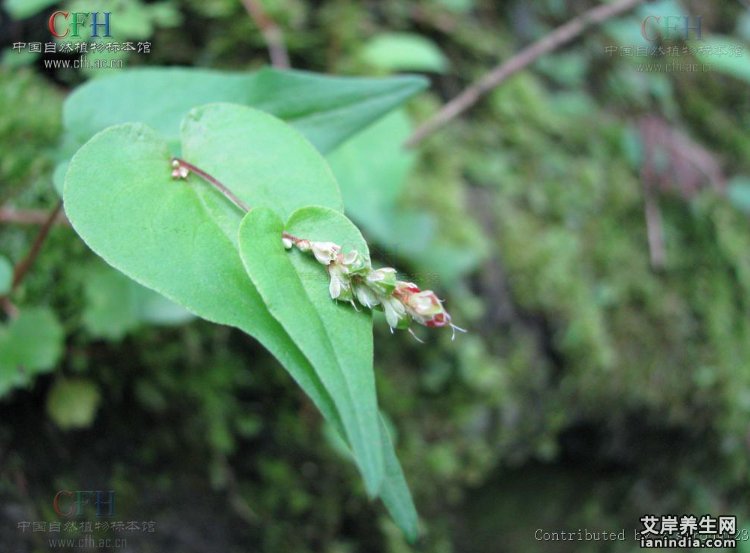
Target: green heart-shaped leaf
[(333, 336)]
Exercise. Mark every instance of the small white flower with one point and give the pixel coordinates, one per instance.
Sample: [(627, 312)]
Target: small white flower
[(287, 242), (394, 311), (366, 296), (382, 280), (325, 252), (340, 286)]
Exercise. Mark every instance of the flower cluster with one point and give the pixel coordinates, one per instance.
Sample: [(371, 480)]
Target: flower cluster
[(352, 277)]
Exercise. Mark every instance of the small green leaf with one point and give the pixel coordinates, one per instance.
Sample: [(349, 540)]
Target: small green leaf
[(72, 403), (29, 345), (6, 275), (333, 336), (404, 52)]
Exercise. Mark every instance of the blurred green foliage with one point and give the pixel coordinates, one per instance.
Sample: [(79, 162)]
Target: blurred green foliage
[(592, 388)]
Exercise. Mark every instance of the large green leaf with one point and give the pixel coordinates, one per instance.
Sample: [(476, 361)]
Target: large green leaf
[(327, 110), (333, 336)]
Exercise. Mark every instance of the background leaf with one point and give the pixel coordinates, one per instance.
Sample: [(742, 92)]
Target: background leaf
[(29, 345), (6, 275), (116, 305), (404, 52), (725, 54), (738, 191), (326, 109), (21, 9), (372, 186), (72, 403)]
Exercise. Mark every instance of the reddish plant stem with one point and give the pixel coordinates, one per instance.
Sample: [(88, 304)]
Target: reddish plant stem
[(228, 194)]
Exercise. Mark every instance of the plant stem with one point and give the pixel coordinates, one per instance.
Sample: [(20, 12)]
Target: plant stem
[(271, 33), (231, 196), (22, 269), (215, 182)]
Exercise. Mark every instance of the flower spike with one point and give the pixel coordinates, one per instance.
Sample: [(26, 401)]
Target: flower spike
[(353, 278)]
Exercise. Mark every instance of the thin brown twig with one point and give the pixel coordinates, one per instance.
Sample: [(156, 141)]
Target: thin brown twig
[(560, 36), (654, 228), (30, 216), (22, 269), (271, 33)]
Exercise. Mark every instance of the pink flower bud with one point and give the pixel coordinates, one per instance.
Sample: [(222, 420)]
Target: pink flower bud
[(423, 306), (303, 245)]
